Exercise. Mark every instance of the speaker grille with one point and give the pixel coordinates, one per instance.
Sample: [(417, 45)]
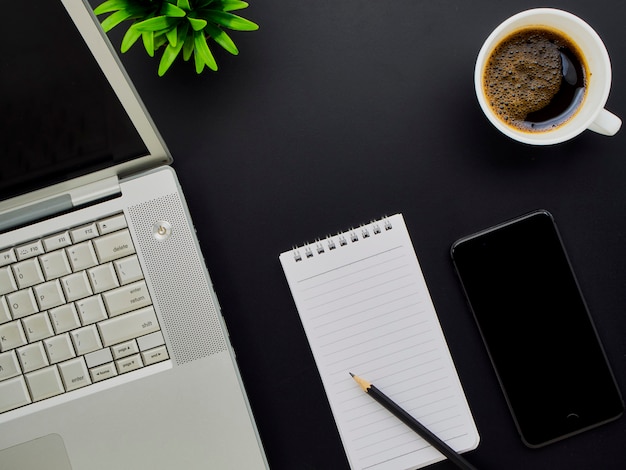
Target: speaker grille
[(175, 270)]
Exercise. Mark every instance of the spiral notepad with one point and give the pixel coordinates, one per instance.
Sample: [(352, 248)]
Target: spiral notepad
[(365, 308)]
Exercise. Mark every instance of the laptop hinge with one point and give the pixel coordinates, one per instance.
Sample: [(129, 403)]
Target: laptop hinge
[(64, 202), (95, 191)]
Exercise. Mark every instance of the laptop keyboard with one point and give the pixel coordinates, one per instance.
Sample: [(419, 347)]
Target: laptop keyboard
[(74, 310)]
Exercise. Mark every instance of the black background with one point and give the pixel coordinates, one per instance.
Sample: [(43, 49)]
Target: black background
[(337, 112)]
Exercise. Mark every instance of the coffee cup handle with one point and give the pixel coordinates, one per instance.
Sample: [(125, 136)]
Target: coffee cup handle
[(606, 123)]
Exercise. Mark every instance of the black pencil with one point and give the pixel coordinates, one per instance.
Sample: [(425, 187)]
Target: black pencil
[(414, 424)]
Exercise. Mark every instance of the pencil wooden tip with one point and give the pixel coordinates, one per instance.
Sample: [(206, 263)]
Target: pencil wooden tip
[(351, 374), (365, 385)]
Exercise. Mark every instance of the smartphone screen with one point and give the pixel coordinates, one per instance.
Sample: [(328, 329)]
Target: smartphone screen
[(537, 329)]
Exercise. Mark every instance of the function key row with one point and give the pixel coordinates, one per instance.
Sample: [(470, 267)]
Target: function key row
[(62, 240)]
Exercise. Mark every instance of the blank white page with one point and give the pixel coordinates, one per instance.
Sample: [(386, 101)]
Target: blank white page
[(365, 308)]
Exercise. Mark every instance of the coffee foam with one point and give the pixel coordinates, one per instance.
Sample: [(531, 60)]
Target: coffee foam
[(523, 74)]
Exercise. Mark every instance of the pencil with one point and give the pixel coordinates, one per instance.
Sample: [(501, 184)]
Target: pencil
[(414, 424)]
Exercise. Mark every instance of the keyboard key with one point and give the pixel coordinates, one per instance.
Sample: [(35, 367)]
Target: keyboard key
[(128, 326), (28, 273), (103, 278), (99, 357), (49, 295), (74, 374), (112, 224), (22, 303), (44, 383), (64, 318), (91, 310), (152, 356), (7, 257), (60, 240), (13, 394), (29, 250), (128, 270), (150, 341), (7, 281), (76, 286), (9, 367), (11, 336), (55, 264), (86, 232), (59, 348), (5, 313), (129, 363), (124, 349), (38, 327), (86, 340), (32, 357), (105, 371), (126, 298), (114, 246), (82, 256)]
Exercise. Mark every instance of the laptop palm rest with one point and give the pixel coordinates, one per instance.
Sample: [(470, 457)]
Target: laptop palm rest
[(45, 452)]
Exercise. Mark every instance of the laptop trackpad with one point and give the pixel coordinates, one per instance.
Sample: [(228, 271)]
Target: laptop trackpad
[(46, 452)]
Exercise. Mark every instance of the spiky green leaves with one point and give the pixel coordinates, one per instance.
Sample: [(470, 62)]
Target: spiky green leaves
[(177, 25)]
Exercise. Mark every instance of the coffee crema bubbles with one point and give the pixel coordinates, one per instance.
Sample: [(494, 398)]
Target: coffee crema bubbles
[(535, 79)]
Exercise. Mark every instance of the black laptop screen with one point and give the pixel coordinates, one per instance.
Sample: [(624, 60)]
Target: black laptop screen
[(60, 117)]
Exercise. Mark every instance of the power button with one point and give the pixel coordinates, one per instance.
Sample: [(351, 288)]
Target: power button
[(162, 230)]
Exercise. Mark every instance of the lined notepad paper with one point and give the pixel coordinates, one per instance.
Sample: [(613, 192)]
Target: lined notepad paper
[(366, 309)]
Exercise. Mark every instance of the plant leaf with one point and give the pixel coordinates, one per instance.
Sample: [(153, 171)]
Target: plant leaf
[(188, 47), (111, 5), (223, 39), (231, 21), (232, 5), (184, 4), (202, 49), (169, 55), (148, 42), (182, 29), (201, 4), (114, 19), (158, 23), (172, 10), (172, 36), (130, 38), (197, 24), (159, 41), (172, 51), (198, 61)]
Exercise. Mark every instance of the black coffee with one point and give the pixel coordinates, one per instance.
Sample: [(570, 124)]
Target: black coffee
[(535, 79)]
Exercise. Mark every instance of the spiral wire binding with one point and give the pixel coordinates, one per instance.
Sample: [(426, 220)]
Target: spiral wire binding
[(320, 246)]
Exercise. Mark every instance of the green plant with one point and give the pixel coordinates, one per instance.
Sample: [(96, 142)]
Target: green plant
[(180, 25)]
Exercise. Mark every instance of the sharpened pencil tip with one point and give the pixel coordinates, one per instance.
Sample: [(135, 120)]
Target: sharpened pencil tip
[(364, 384), (351, 374)]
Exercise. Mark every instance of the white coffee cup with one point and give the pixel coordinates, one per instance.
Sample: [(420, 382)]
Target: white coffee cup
[(591, 113)]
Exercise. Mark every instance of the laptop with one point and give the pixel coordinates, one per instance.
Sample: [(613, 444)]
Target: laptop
[(113, 350)]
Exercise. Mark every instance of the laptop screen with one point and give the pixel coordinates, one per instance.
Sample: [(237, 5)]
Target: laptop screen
[(60, 117)]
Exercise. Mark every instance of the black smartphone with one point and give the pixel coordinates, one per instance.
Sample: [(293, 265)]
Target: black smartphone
[(537, 329)]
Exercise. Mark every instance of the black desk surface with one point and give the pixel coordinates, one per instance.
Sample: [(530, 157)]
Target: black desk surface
[(337, 112)]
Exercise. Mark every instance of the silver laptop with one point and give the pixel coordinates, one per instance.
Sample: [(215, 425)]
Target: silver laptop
[(113, 350)]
